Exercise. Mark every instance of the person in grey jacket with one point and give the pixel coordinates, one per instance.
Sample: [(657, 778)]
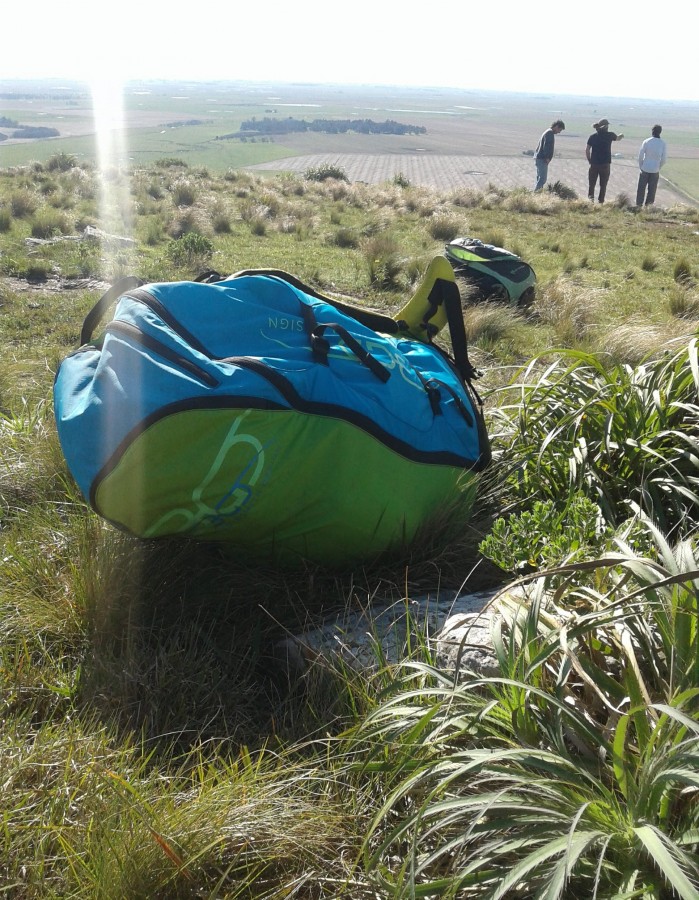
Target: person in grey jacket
[(651, 159), (544, 152)]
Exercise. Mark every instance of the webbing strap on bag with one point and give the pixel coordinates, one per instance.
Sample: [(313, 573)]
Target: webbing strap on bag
[(92, 319)]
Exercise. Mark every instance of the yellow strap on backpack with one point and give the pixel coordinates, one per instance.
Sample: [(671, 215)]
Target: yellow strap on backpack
[(422, 317)]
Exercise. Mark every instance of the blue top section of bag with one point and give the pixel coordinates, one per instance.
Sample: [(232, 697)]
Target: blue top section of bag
[(256, 341)]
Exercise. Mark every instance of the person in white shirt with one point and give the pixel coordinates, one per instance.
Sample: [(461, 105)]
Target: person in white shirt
[(651, 158)]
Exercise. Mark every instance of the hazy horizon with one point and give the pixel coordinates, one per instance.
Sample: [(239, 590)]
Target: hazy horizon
[(522, 49)]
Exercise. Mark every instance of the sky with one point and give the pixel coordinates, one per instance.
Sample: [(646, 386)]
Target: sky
[(615, 48)]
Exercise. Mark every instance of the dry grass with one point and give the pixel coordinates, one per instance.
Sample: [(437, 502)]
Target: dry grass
[(633, 342), (569, 310)]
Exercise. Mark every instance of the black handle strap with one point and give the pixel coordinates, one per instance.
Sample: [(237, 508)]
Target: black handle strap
[(446, 293), (92, 319), (321, 347)]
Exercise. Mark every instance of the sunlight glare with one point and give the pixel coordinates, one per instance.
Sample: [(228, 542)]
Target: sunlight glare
[(108, 109)]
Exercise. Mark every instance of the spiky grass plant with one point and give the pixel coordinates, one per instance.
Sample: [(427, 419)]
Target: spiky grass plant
[(574, 772), (617, 435)]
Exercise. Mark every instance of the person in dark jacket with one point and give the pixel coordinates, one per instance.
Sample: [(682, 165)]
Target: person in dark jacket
[(544, 152), (599, 156)]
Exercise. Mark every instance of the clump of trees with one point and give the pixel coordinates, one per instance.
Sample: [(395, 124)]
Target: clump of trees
[(326, 126), (35, 131)]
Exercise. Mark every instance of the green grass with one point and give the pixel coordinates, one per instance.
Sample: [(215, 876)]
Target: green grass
[(154, 744), (683, 173)]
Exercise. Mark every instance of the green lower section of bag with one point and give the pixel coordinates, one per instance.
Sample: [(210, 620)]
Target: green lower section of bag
[(278, 484)]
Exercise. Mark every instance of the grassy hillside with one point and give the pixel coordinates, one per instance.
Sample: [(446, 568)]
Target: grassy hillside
[(153, 744)]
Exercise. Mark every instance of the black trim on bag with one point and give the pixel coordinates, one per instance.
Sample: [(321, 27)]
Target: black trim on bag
[(164, 313), (132, 332), (105, 301), (295, 403), (364, 357)]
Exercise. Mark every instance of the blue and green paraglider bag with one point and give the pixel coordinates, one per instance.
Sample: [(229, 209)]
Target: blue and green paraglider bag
[(253, 410)]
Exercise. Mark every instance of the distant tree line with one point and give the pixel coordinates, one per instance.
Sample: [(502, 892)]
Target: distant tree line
[(268, 126), (183, 124), (31, 131), (26, 131)]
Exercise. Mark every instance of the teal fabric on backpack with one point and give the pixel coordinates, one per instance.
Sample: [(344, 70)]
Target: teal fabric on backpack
[(253, 410)]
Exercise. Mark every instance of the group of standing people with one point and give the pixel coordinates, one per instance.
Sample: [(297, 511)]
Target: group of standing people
[(598, 150)]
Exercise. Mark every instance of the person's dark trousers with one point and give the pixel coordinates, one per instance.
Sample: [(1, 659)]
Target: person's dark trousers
[(601, 172), (647, 180)]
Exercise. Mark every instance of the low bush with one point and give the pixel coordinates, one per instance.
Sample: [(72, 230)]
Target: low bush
[(325, 172), (192, 250), (61, 162), (682, 271), (345, 237), (562, 190)]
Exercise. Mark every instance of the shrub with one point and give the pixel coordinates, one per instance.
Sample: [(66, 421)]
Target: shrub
[(220, 221), (61, 162), (619, 435), (5, 219), (155, 190), (649, 264), (258, 226), (623, 201), (185, 223), (153, 231), (192, 249), (568, 309), (487, 324), (170, 162), (37, 271), (632, 342), (325, 172), (400, 180), (684, 302), (48, 186), (545, 536), (562, 190)]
